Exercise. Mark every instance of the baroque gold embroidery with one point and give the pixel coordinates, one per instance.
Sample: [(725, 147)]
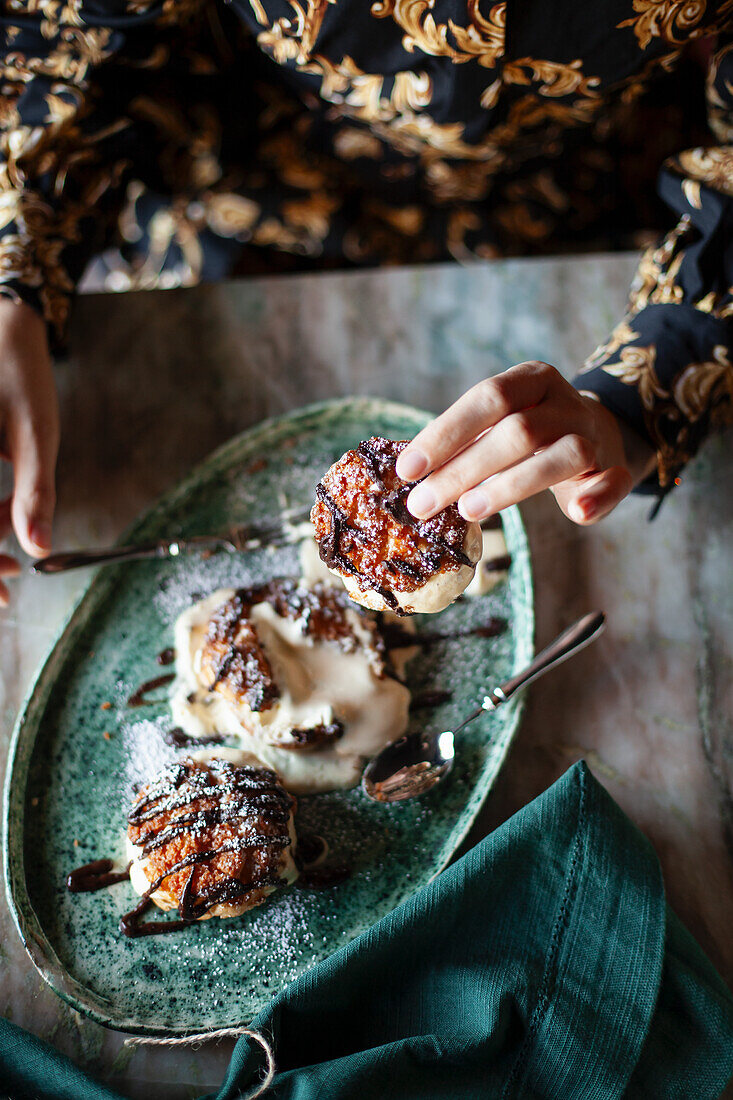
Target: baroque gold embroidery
[(556, 79), (259, 13), (691, 191), (521, 222), (655, 278), (622, 334), (310, 216), (636, 366), (350, 143), (16, 260), (53, 13), (231, 215), (719, 113), (481, 41), (392, 117), (636, 84), (420, 135), (311, 27), (362, 94), (539, 187), (530, 113), (665, 19), (710, 166), (70, 60), (449, 182), (461, 221), (303, 30), (359, 94), (705, 386)]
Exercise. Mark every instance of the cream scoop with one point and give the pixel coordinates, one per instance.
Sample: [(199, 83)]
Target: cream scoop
[(331, 702)]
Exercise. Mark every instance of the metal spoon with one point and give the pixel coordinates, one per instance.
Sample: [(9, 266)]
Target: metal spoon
[(416, 762)]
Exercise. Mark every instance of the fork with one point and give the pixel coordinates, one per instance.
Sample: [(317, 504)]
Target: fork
[(247, 536)]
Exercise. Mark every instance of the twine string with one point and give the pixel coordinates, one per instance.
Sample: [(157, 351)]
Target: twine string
[(195, 1041)]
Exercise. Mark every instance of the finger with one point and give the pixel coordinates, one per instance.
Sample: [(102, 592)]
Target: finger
[(34, 446), (5, 521), (517, 436), (571, 456), (591, 499), (483, 405), (9, 567)]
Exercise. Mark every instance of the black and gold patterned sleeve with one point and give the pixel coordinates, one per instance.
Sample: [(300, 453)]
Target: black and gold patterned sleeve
[(667, 369), (70, 70)]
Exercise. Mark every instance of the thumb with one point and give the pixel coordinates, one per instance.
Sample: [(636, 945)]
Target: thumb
[(587, 500), (34, 442)]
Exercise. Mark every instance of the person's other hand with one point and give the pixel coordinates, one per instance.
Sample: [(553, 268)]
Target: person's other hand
[(515, 434), (29, 432)]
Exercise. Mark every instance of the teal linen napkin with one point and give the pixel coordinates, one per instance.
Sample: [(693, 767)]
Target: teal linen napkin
[(543, 964)]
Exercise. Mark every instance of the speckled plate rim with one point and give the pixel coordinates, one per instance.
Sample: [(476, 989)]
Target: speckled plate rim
[(38, 947)]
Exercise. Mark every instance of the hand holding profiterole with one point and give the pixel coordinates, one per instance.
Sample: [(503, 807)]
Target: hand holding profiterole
[(520, 432)]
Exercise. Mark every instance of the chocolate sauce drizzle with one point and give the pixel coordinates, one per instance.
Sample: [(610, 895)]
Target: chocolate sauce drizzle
[(392, 501), (497, 565), (329, 549), (397, 565), (315, 875), (137, 699), (395, 637), (130, 923), (179, 739), (94, 876), (314, 737), (309, 850), (320, 613), (249, 792), (241, 659)]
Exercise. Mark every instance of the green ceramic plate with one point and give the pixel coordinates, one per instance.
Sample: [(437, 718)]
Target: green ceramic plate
[(68, 786)]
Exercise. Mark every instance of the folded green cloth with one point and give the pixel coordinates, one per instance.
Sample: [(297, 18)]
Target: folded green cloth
[(543, 964)]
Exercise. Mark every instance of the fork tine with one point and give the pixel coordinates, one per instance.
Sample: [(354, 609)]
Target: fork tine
[(252, 535)]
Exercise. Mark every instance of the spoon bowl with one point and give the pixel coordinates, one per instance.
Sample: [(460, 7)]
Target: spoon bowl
[(409, 766), (414, 763)]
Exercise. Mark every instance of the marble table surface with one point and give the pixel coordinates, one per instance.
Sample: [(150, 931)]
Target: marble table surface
[(154, 381)]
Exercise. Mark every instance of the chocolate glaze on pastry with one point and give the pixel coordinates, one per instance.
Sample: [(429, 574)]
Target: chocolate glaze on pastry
[(387, 559), (295, 674), (233, 661), (210, 839)]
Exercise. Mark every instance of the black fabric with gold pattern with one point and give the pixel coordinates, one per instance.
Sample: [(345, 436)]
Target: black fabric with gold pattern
[(188, 139)]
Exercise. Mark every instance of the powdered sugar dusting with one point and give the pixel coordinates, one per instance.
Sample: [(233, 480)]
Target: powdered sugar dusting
[(146, 753)]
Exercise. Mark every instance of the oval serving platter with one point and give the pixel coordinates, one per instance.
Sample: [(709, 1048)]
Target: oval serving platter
[(79, 751)]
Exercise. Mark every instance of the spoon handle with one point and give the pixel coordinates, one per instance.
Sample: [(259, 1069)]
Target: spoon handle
[(571, 641)]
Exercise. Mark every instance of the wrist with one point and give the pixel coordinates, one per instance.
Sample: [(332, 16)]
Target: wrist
[(23, 336), (15, 314)]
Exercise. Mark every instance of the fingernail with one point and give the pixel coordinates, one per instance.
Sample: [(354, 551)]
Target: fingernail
[(411, 464), (580, 509), (39, 533), (421, 501), (474, 505)]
